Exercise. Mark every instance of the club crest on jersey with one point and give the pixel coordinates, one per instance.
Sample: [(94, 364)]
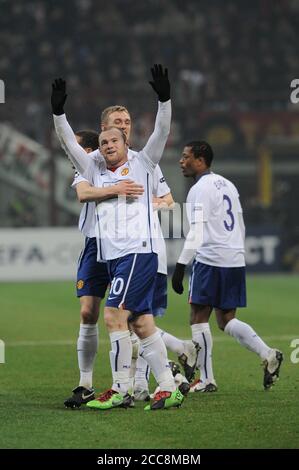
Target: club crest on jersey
[(124, 172), (80, 284)]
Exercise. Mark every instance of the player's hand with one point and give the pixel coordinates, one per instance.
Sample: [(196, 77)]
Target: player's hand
[(129, 188), (160, 82), (58, 96), (159, 204), (178, 277)]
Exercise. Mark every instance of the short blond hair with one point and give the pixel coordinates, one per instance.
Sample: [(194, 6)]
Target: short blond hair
[(110, 110), (111, 128)]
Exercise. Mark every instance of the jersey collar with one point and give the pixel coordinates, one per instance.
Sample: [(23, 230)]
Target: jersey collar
[(208, 172)]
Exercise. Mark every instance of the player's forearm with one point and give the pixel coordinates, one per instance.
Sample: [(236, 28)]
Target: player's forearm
[(186, 255), (93, 194), (193, 241), (69, 143), (164, 203), (163, 119), (157, 141)]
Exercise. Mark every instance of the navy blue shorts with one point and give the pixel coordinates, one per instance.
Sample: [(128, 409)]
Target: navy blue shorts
[(160, 295), (223, 288), (92, 277), (132, 282)]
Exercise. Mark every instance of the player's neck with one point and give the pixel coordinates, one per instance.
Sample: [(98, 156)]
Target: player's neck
[(198, 175), (117, 165)]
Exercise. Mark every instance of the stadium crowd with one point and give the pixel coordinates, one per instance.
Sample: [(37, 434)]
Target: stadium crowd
[(223, 56), (241, 55)]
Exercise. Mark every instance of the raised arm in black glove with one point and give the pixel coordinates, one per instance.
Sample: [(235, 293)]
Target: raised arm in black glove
[(178, 277), (58, 96), (160, 82)]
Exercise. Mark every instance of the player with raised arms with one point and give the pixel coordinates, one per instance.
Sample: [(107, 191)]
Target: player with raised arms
[(132, 275)]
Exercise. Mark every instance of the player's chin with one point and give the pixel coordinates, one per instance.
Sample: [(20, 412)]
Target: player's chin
[(111, 161)]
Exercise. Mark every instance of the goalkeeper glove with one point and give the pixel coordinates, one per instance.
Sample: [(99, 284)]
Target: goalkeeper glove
[(58, 96), (160, 82), (178, 277)]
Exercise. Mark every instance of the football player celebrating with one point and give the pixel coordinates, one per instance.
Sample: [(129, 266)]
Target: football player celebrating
[(216, 239)]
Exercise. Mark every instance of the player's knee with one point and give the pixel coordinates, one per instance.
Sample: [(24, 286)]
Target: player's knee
[(113, 320), (88, 315), (144, 326), (221, 326), (221, 322), (140, 330)]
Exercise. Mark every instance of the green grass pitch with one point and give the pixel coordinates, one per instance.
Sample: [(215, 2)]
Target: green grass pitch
[(39, 324)]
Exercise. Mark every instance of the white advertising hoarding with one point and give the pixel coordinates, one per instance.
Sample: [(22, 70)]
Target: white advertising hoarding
[(45, 254), (39, 254)]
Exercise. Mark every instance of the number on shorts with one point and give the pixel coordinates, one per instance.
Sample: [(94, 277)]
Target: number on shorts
[(117, 285)]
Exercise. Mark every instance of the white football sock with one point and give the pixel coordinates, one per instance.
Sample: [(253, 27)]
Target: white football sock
[(87, 347), (142, 374), (120, 360), (172, 343), (135, 356), (201, 334), (155, 354), (247, 337)]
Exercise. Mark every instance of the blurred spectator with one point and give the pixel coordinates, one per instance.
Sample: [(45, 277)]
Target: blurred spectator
[(21, 210)]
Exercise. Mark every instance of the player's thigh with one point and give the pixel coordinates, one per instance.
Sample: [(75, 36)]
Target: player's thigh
[(92, 276), (159, 304), (90, 309), (202, 290), (133, 280)]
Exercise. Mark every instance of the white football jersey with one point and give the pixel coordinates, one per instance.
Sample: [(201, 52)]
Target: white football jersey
[(160, 189), (124, 225), (223, 238), (87, 218)]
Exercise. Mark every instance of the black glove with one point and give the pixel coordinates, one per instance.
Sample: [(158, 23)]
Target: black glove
[(160, 82), (178, 277), (58, 96)]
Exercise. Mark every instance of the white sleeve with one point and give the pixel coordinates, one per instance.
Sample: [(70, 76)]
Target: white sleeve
[(194, 238), (160, 187), (80, 159), (78, 179), (198, 200), (152, 152)]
